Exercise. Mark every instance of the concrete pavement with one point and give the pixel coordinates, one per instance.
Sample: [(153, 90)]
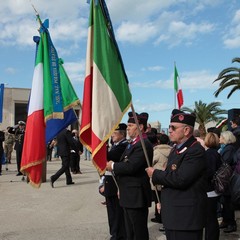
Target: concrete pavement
[(71, 212)]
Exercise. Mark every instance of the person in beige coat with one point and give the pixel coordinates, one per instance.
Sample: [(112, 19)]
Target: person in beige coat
[(161, 151)]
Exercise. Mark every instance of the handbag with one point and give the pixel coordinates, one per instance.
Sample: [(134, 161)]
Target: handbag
[(221, 178)]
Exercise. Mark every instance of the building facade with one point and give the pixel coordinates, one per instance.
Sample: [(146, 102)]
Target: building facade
[(15, 104), (15, 107)]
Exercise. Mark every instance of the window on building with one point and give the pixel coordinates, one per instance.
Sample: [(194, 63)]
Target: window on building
[(21, 112)]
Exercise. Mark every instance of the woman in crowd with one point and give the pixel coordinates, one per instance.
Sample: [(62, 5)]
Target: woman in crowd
[(227, 151), (213, 163)]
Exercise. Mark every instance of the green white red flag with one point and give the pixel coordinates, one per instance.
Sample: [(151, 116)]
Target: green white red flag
[(178, 89), (106, 94), (50, 106)]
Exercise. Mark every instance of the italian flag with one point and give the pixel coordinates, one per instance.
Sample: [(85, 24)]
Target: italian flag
[(106, 95), (177, 88), (34, 140), (50, 106)]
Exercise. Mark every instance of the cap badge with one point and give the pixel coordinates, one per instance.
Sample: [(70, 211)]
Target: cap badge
[(181, 117)]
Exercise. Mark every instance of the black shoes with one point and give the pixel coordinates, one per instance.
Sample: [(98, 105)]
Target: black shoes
[(19, 174), (155, 220), (70, 183), (230, 228), (51, 182)]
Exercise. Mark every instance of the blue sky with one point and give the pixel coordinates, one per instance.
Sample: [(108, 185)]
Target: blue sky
[(201, 36)]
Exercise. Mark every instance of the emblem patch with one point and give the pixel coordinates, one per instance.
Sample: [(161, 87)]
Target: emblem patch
[(181, 117)]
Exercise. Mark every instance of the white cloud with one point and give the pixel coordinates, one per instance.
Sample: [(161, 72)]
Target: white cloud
[(142, 20), (136, 10), (179, 32), (68, 22), (151, 107), (189, 80), (135, 33), (153, 68), (75, 71), (10, 70), (232, 38)]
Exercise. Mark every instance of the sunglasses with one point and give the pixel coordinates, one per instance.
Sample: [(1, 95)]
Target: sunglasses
[(174, 128)]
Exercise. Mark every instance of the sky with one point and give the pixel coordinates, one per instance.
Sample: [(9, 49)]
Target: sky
[(200, 36)]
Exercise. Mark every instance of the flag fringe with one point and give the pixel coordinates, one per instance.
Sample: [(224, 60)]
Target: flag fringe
[(73, 104), (106, 137), (32, 164), (100, 171), (35, 185)]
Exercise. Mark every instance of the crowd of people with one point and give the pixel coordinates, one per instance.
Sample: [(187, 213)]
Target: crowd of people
[(174, 172), (65, 145)]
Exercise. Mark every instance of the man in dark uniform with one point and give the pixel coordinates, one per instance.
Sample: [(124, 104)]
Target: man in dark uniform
[(65, 143), (115, 212), (19, 132), (183, 196), (134, 184), (75, 156)]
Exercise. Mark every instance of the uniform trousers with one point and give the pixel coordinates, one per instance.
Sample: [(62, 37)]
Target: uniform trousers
[(18, 158), (64, 169), (184, 235), (8, 148), (115, 218), (136, 223), (75, 162)]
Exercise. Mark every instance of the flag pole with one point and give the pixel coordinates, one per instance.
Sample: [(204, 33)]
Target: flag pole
[(174, 91), (143, 145)]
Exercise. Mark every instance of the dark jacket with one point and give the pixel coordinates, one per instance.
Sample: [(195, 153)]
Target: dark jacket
[(19, 137), (133, 181), (213, 163), (183, 197), (227, 154), (65, 143), (115, 153), (2, 138), (78, 145), (236, 132)]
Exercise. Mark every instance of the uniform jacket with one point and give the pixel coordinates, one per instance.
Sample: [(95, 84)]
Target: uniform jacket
[(65, 143), (19, 137), (184, 183), (133, 181), (115, 153), (9, 139)]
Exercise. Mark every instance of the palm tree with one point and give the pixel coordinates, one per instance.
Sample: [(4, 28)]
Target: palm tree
[(206, 113), (229, 77)]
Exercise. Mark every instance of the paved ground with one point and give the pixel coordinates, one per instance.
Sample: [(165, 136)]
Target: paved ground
[(70, 212)]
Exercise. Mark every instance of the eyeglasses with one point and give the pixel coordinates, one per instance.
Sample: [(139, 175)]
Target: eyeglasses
[(174, 128)]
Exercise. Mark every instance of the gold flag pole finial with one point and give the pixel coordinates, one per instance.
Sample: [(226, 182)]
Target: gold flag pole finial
[(37, 14)]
